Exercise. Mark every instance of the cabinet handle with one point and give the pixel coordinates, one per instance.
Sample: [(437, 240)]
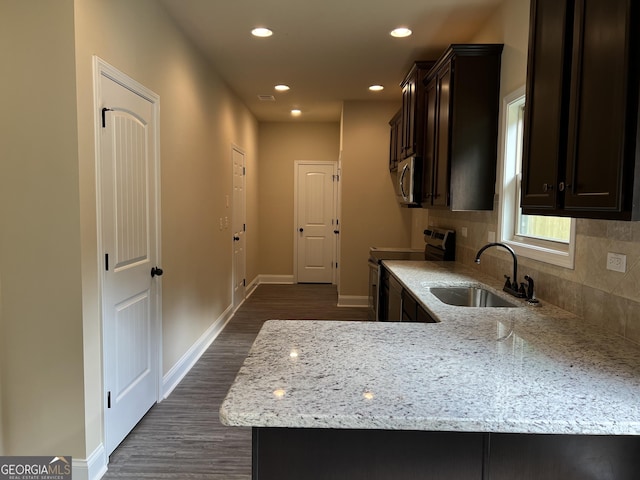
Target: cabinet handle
[(561, 186), (547, 187)]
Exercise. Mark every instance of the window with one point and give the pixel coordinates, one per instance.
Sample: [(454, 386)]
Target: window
[(548, 239)]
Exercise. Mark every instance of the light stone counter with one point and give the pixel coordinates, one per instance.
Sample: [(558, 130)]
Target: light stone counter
[(519, 370)]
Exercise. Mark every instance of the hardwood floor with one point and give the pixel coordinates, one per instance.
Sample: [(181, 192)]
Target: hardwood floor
[(182, 437)]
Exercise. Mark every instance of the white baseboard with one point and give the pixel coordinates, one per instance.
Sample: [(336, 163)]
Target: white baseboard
[(92, 468), (189, 359), (174, 376), (95, 466), (279, 279), (353, 301), (251, 287)]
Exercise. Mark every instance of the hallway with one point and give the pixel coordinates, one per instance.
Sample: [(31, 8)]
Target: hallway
[(182, 437)]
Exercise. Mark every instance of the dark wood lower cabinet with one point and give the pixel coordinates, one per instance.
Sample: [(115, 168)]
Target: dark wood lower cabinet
[(337, 454), (563, 457), (326, 454)]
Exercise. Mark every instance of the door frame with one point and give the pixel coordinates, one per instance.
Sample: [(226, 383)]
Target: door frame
[(235, 302), (104, 69), (296, 165)]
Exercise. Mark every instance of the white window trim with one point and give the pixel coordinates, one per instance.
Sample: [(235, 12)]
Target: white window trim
[(555, 253)]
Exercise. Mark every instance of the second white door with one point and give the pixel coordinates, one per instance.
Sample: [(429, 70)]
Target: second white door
[(239, 227), (316, 222)]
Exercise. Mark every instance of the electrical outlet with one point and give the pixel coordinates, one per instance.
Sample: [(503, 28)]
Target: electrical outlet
[(617, 262), (464, 232)]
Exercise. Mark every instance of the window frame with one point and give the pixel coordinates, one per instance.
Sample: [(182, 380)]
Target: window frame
[(547, 251)]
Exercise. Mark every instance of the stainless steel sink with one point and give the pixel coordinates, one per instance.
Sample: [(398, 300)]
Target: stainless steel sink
[(470, 297)]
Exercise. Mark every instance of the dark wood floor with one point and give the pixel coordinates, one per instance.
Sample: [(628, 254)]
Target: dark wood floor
[(182, 437)]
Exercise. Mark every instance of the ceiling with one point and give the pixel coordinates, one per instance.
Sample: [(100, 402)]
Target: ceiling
[(327, 51)]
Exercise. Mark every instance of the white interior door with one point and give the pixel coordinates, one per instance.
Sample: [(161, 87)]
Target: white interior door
[(129, 226), (239, 227), (315, 222)]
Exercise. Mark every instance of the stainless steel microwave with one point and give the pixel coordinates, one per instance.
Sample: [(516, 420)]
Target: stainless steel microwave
[(409, 181)]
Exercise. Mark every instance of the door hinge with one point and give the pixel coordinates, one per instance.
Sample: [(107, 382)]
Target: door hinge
[(244, 227), (244, 282), (108, 399), (336, 264), (244, 170), (106, 262), (336, 178), (104, 116)]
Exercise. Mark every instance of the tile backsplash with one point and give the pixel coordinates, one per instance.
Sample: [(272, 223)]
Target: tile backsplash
[(589, 290)]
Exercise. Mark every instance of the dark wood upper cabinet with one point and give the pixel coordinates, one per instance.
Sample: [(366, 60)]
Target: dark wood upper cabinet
[(461, 101), (412, 109), (395, 143), (581, 142), (431, 111), (545, 113)]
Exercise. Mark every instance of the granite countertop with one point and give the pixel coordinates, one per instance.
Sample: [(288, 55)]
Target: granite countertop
[(512, 370)]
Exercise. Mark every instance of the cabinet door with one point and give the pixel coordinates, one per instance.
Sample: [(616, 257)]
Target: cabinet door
[(598, 117), (423, 316), (409, 307), (395, 143), (569, 457), (397, 128), (408, 117), (430, 128), (383, 296), (545, 114), (443, 114)]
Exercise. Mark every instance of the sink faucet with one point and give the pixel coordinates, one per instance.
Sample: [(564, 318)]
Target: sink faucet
[(510, 287)]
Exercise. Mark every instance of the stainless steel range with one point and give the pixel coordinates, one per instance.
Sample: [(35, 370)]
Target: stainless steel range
[(439, 246)]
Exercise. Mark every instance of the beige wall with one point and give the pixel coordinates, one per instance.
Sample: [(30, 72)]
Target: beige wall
[(588, 290), (51, 335), (200, 121), (41, 302), (371, 215), (280, 145)]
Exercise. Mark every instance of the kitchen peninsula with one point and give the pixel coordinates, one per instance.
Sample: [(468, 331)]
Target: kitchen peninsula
[(485, 393)]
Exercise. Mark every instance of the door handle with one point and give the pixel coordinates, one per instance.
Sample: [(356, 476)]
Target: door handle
[(156, 271), (404, 172), (236, 238), (301, 229)]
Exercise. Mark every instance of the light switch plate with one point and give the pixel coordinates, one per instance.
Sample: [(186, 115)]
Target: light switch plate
[(617, 262), (464, 232)]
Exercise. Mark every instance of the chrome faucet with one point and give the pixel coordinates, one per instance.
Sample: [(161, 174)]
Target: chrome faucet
[(512, 288)]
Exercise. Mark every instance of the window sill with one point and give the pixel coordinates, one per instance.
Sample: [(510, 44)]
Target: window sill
[(565, 259)]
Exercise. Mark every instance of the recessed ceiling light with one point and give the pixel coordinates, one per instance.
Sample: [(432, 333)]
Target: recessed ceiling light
[(296, 112), (376, 88), (261, 32), (401, 32), (282, 88)]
